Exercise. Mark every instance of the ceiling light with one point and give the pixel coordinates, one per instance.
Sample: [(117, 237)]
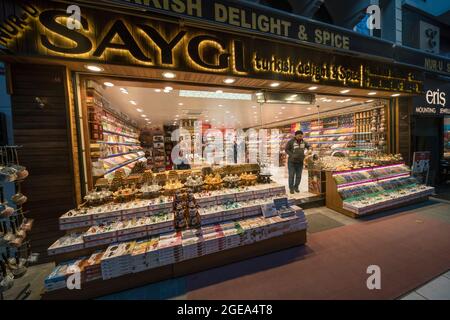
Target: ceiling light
[(227, 111), (157, 90), (372, 93), (169, 75), (214, 95), (395, 95), (254, 107), (259, 93), (255, 112), (345, 91), (166, 91), (219, 91), (369, 100), (220, 105), (312, 88), (229, 80), (108, 84), (308, 108), (177, 115), (168, 88), (180, 103), (347, 100), (283, 108), (280, 112), (274, 84), (206, 120), (139, 110), (123, 90), (133, 102), (94, 68), (143, 116)]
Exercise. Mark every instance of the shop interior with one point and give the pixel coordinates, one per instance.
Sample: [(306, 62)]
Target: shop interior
[(136, 119)]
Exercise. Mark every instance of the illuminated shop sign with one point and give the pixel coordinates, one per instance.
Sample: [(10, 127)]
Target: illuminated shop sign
[(434, 102), (118, 39)]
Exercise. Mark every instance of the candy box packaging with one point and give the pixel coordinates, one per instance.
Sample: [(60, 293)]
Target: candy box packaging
[(67, 243)]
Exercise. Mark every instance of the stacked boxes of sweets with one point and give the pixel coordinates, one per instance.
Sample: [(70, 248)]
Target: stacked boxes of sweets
[(213, 239), (84, 217), (116, 260), (170, 249), (193, 215), (145, 255), (101, 234), (57, 279), (67, 243), (192, 243), (233, 233), (92, 267)]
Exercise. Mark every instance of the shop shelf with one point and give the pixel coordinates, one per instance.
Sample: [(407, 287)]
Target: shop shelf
[(120, 134), (124, 164)]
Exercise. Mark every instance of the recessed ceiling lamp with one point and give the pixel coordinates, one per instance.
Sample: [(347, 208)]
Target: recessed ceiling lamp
[(312, 88), (395, 95), (143, 116), (166, 91), (157, 90), (220, 105), (169, 75), (133, 102), (308, 108), (94, 68), (168, 88), (180, 103), (139, 110), (275, 84), (283, 108), (229, 80), (254, 107), (372, 93), (345, 91), (108, 84), (124, 91)]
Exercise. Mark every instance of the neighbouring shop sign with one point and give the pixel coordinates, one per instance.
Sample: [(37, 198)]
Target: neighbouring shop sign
[(40, 29), (435, 101)]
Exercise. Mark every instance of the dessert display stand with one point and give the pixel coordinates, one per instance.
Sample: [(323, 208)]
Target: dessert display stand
[(374, 178), (97, 288)]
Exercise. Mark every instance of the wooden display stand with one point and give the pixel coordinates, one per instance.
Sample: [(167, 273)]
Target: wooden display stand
[(101, 287), (333, 199)]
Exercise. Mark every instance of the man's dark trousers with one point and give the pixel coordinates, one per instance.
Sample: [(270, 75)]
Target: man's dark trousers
[(295, 174)]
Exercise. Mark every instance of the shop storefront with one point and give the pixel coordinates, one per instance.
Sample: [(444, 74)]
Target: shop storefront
[(157, 147)]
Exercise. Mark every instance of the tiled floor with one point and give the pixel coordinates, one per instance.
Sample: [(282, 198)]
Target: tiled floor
[(436, 289)]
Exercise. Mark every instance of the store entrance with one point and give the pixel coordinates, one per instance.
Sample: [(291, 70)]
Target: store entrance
[(141, 125)]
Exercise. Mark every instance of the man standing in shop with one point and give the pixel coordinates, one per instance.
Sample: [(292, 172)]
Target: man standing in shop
[(295, 149)]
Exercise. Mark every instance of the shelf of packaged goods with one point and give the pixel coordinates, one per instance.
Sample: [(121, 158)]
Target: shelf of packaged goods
[(121, 154), (328, 142), (370, 168), (123, 164), (365, 181), (120, 143), (336, 135), (389, 203), (120, 134)]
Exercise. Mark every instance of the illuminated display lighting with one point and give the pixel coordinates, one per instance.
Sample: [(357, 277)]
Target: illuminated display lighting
[(139, 110), (229, 80), (143, 116), (312, 88), (372, 93), (395, 95), (345, 91), (169, 75), (215, 95), (94, 68), (275, 84), (108, 84)]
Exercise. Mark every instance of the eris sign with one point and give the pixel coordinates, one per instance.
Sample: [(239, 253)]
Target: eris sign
[(434, 103)]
